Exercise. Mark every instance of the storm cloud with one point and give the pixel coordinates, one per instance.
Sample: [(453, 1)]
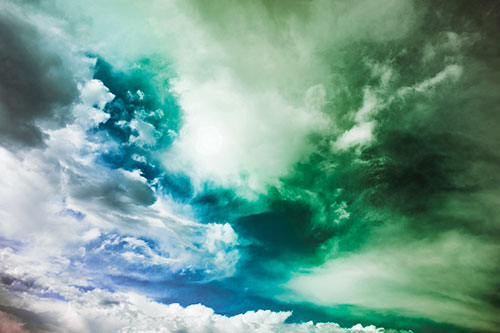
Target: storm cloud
[(35, 85)]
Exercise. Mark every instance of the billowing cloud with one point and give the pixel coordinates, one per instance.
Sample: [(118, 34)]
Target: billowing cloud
[(103, 311), (238, 94)]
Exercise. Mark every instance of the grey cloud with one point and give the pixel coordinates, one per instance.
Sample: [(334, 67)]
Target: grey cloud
[(31, 321), (118, 193), (18, 285), (35, 86)]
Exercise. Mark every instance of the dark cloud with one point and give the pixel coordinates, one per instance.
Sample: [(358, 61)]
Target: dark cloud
[(121, 193), (35, 86), (18, 285), (14, 317), (31, 321)]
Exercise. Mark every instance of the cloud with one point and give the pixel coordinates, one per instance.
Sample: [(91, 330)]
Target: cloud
[(147, 134), (358, 135), (17, 320), (422, 216), (69, 201), (419, 278), (274, 105), (451, 72), (55, 202), (239, 95), (65, 302), (36, 85), (366, 141), (250, 104), (95, 94), (226, 134), (103, 311), (362, 132), (9, 324)]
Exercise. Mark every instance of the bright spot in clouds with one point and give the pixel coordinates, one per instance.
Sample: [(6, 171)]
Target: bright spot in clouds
[(209, 141)]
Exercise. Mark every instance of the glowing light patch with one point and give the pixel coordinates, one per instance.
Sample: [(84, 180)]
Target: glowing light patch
[(209, 141)]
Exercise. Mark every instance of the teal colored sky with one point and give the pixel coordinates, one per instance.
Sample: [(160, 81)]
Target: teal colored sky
[(249, 166)]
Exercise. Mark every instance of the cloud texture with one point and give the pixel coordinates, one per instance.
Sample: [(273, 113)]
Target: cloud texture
[(250, 166)]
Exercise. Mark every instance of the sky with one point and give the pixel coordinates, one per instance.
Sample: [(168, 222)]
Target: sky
[(249, 166)]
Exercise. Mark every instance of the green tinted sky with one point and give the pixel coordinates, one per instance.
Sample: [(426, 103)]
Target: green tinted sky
[(340, 159)]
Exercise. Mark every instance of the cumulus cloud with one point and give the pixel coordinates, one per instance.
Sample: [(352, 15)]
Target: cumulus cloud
[(103, 311)]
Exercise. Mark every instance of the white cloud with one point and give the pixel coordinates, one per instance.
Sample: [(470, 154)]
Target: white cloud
[(450, 73), (146, 133), (94, 92), (97, 310), (240, 138), (247, 118), (375, 99), (56, 200), (102, 311), (362, 132), (358, 135), (53, 217), (94, 95)]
